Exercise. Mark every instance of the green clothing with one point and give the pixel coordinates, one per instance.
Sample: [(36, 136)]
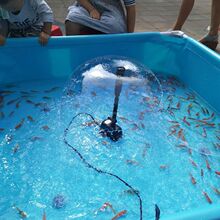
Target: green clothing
[(3, 14)]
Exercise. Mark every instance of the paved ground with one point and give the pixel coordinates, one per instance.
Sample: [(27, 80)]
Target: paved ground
[(154, 15)]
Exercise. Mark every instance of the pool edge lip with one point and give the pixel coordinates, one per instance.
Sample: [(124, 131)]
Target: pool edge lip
[(206, 212)]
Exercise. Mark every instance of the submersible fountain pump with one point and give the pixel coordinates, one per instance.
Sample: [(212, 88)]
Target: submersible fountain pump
[(109, 126)]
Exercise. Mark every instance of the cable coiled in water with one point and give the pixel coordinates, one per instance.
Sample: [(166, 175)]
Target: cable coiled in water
[(95, 168)]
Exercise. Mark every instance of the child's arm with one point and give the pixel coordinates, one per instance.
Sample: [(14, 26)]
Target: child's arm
[(131, 16), (46, 16), (93, 12), (45, 33)]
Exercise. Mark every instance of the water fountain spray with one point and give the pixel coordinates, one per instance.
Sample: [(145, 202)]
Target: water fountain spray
[(109, 126)]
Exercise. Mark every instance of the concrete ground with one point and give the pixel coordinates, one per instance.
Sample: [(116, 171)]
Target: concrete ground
[(154, 15)]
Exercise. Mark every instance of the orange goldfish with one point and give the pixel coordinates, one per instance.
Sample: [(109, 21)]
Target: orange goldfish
[(193, 163), (121, 213), (208, 165), (44, 216), (19, 124), (16, 147), (21, 213), (193, 180), (202, 173), (30, 118), (207, 197), (217, 191), (45, 128), (106, 205), (217, 172)]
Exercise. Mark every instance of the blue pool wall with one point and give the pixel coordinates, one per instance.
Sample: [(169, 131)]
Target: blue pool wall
[(195, 65)]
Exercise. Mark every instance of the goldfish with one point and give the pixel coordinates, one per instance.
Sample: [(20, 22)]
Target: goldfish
[(44, 216), (19, 124), (207, 197), (208, 165), (202, 173), (185, 121), (11, 113), (35, 138), (190, 151), (6, 92), (193, 163), (52, 89), (163, 166), (204, 134), (18, 104), (2, 115), (193, 180), (141, 116), (30, 102), (45, 128), (30, 118), (145, 149), (105, 143), (135, 126), (217, 172), (174, 122), (24, 92), (106, 205), (173, 131), (46, 97), (12, 101), (197, 114), (132, 191), (217, 191), (209, 118), (121, 213), (21, 213), (16, 147), (132, 162), (90, 123), (34, 91), (142, 125), (178, 105), (93, 94)]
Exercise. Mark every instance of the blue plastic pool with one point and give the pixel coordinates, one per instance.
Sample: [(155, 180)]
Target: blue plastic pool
[(55, 162)]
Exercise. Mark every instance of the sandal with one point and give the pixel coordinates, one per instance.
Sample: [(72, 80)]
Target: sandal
[(210, 41)]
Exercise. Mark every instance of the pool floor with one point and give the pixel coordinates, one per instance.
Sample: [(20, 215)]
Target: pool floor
[(169, 152)]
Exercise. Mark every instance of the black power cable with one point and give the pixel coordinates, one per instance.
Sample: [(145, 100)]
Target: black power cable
[(95, 168)]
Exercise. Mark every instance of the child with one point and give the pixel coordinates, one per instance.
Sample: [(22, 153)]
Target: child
[(211, 39), (26, 18), (105, 16)]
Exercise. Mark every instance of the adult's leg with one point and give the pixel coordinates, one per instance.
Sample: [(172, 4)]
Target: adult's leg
[(186, 8), (211, 39), (72, 28)]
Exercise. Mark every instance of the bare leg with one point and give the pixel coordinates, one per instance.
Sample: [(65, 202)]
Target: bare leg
[(184, 12), (211, 39), (215, 17), (72, 28)]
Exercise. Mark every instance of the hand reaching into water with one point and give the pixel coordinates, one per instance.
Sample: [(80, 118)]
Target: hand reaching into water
[(43, 38)]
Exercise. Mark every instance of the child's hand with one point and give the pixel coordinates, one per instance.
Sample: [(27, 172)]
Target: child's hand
[(95, 14), (43, 38), (2, 40)]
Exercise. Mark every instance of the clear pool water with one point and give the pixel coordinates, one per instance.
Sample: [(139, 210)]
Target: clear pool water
[(170, 138)]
